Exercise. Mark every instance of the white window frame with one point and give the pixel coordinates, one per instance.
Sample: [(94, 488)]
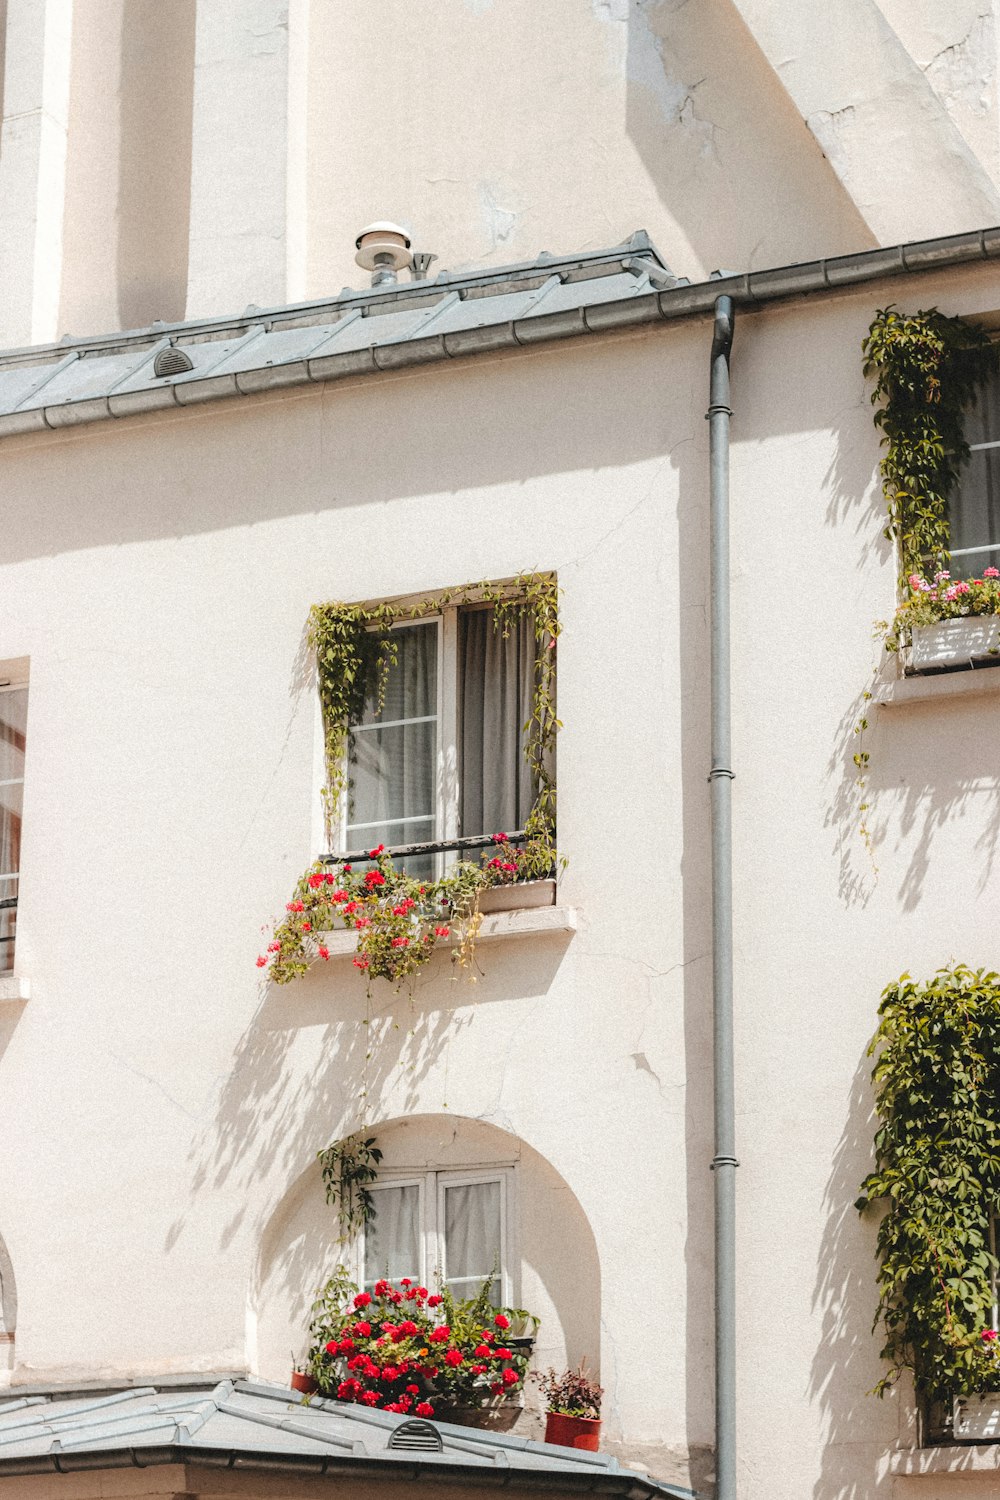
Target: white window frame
[(432, 1186), (13, 679)]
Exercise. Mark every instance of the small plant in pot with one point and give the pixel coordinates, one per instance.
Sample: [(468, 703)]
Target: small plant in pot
[(572, 1408), (301, 1380)]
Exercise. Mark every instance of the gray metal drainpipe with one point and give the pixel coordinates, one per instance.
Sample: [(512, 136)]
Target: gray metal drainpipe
[(724, 1162)]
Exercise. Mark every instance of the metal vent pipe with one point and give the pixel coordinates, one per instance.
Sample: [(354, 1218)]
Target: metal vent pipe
[(724, 1162)]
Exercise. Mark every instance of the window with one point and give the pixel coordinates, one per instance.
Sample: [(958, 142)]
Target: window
[(457, 1224), (445, 756), (975, 505), (13, 722)]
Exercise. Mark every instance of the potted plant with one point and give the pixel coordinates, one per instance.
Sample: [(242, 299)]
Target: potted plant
[(301, 1380), (402, 1348), (573, 1408)]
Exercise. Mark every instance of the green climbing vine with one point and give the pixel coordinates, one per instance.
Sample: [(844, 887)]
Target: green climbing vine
[(349, 1168), (937, 1178), (927, 368)]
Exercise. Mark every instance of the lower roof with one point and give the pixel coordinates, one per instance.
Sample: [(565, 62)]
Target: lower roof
[(246, 1425)]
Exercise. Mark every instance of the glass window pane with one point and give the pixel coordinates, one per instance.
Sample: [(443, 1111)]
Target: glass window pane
[(975, 515), (420, 866), (13, 720), (392, 773), (392, 1238), (472, 1247), (411, 689)]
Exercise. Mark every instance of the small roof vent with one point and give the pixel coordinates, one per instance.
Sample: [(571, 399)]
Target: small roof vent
[(417, 1437), (172, 362)]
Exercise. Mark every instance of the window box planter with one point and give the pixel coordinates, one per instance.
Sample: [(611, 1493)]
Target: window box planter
[(956, 643), (523, 895), (976, 1419), (498, 1418)]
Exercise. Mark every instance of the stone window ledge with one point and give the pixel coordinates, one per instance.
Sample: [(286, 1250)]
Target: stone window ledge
[(976, 682), (523, 922), (961, 1460), (14, 987)]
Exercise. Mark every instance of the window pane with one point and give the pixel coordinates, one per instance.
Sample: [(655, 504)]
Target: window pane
[(13, 718), (472, 1247), (495, 690), (420, 866), (392, 1238), (411, 690), (393, 769), (975, 515), (393, 773)]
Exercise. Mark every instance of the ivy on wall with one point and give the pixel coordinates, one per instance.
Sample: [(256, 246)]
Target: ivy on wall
[(937, 1178), (927, 368)]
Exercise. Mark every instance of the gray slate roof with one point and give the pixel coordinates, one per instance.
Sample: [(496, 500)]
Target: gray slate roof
[(382, 328), (242, 1424), (414, 323)]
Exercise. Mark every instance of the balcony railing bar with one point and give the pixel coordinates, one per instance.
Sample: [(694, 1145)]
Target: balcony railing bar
[(438, 846), (8, 903)]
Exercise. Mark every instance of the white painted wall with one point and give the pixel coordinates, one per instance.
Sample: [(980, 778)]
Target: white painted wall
[(198, 156), (162, 1200)]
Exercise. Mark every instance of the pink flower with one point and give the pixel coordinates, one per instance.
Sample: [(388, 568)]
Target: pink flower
[(400, 942), (261, 960), (442, 931), (988, 1335), (991, 573), (274, 947), (323, 951)]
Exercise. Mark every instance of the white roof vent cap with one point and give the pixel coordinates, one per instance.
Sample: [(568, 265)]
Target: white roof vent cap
[(383, 249)]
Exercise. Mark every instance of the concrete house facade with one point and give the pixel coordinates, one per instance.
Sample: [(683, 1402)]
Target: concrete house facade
[(164, 536)]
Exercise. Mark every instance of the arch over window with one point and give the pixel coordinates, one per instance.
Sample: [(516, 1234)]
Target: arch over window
[(551, 1264)]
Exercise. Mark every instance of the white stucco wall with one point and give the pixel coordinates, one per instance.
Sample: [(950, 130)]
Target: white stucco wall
[(167, 1109)]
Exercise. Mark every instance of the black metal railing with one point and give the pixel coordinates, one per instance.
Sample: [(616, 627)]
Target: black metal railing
[(438, 846), (8, 903)]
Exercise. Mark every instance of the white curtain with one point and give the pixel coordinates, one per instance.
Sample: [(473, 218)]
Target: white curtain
[(974, 508), (472, 1230), (392, 1238), (496, 678)]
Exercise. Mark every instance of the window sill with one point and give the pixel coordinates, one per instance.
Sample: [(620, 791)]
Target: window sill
[(958, 682), (522, 922), (959, 1459), (14, 987)]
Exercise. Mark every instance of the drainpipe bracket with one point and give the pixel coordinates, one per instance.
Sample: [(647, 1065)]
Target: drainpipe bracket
[(723, 1161)]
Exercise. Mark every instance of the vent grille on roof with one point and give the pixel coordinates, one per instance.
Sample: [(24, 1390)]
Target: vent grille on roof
[(172, 362), (422, 1437)]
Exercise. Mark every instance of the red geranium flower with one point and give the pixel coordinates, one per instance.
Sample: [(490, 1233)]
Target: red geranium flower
[(370, 1398), (453, 1358), (510, 1377), (482, 1350), (408, 1327), (439, 1335), (423, 1409), (501, 1320), (362, 1299)]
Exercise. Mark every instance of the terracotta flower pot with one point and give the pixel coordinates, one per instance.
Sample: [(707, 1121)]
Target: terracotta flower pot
[(304, 1383), (573, 1432)]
